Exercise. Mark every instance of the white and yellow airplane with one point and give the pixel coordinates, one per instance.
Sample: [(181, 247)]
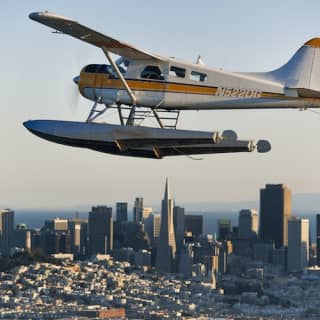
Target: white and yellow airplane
[(165, 86)]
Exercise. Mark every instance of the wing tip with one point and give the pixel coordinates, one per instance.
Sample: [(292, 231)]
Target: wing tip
[(36, 16)]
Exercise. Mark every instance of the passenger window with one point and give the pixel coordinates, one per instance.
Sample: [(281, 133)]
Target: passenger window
[(177, 72), (198, 76), (152, 72)]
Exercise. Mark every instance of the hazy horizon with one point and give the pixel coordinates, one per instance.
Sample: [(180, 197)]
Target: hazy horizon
[(309, 203)]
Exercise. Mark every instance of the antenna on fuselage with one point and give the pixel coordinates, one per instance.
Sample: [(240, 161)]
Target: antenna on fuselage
[(200, 61)]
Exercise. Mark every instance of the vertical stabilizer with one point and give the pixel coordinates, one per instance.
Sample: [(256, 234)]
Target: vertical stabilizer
[(302, 71)]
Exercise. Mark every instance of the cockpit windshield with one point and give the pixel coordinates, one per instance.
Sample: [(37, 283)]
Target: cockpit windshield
[(106, 69), (98, 68)]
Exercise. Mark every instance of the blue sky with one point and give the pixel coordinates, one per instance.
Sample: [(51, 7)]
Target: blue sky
[(37, 68)]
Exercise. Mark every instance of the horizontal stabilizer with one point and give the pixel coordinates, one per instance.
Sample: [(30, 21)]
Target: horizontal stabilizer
[(308, 93)]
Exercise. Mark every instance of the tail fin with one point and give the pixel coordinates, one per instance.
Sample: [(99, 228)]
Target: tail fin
[(301, 74)]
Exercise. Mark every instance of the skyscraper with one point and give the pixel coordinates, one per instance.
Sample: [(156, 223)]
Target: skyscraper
[(6, 228), (224, 229), (79, 235), (135, 237), (248, 224), (118, 224), (55, 237), (318, 239), (100, 230), (156, 226), (298, 244), (138, 210), (146, 211), (122, 211), (166, 252), (179, 225), (275, 211), (21, 237), (185, 261), (152, 227), (193, 223), (57, 224)]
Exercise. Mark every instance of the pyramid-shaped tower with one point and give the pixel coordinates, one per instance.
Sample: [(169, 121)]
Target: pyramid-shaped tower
[(166, 252)]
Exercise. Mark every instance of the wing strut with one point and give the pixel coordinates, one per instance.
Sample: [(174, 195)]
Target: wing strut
[(125, 84), (119, 74)]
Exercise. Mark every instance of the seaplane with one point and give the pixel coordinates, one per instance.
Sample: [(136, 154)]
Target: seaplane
[(139, 84)]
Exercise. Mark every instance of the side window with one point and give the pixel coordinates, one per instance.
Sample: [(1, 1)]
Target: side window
[(177, 72), (152, 72), (198, 76)]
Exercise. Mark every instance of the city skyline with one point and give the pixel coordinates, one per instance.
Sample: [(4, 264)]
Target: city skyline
[(192, 220), (44, 75)]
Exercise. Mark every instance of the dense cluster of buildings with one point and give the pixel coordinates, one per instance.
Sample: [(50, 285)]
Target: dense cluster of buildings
[(172, 245), (280, 238), (161, 240)]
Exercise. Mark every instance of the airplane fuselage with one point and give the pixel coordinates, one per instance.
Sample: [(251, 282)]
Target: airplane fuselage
[(184, 86)]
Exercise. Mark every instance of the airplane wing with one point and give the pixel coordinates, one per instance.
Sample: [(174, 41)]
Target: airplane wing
[(81, 32)]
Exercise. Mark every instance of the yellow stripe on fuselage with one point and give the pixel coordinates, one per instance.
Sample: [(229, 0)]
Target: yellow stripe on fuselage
[(102, 81)]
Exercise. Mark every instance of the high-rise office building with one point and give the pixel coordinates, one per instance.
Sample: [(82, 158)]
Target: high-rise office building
[(50, 241), (179, 225), (185, 261), (6, 229), (138, 210), (35, 240), (166, 251), (248, 224), (79, 235), (118, 224), (65, 242), (55, 236), (298, 244), (146, 211), (122, 211), (156, 226), (57, 224), (100, 230), (21, 237), (134, 236), (318, 239), (224, 229), (275, 211), (152, 227), (193, 223)]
